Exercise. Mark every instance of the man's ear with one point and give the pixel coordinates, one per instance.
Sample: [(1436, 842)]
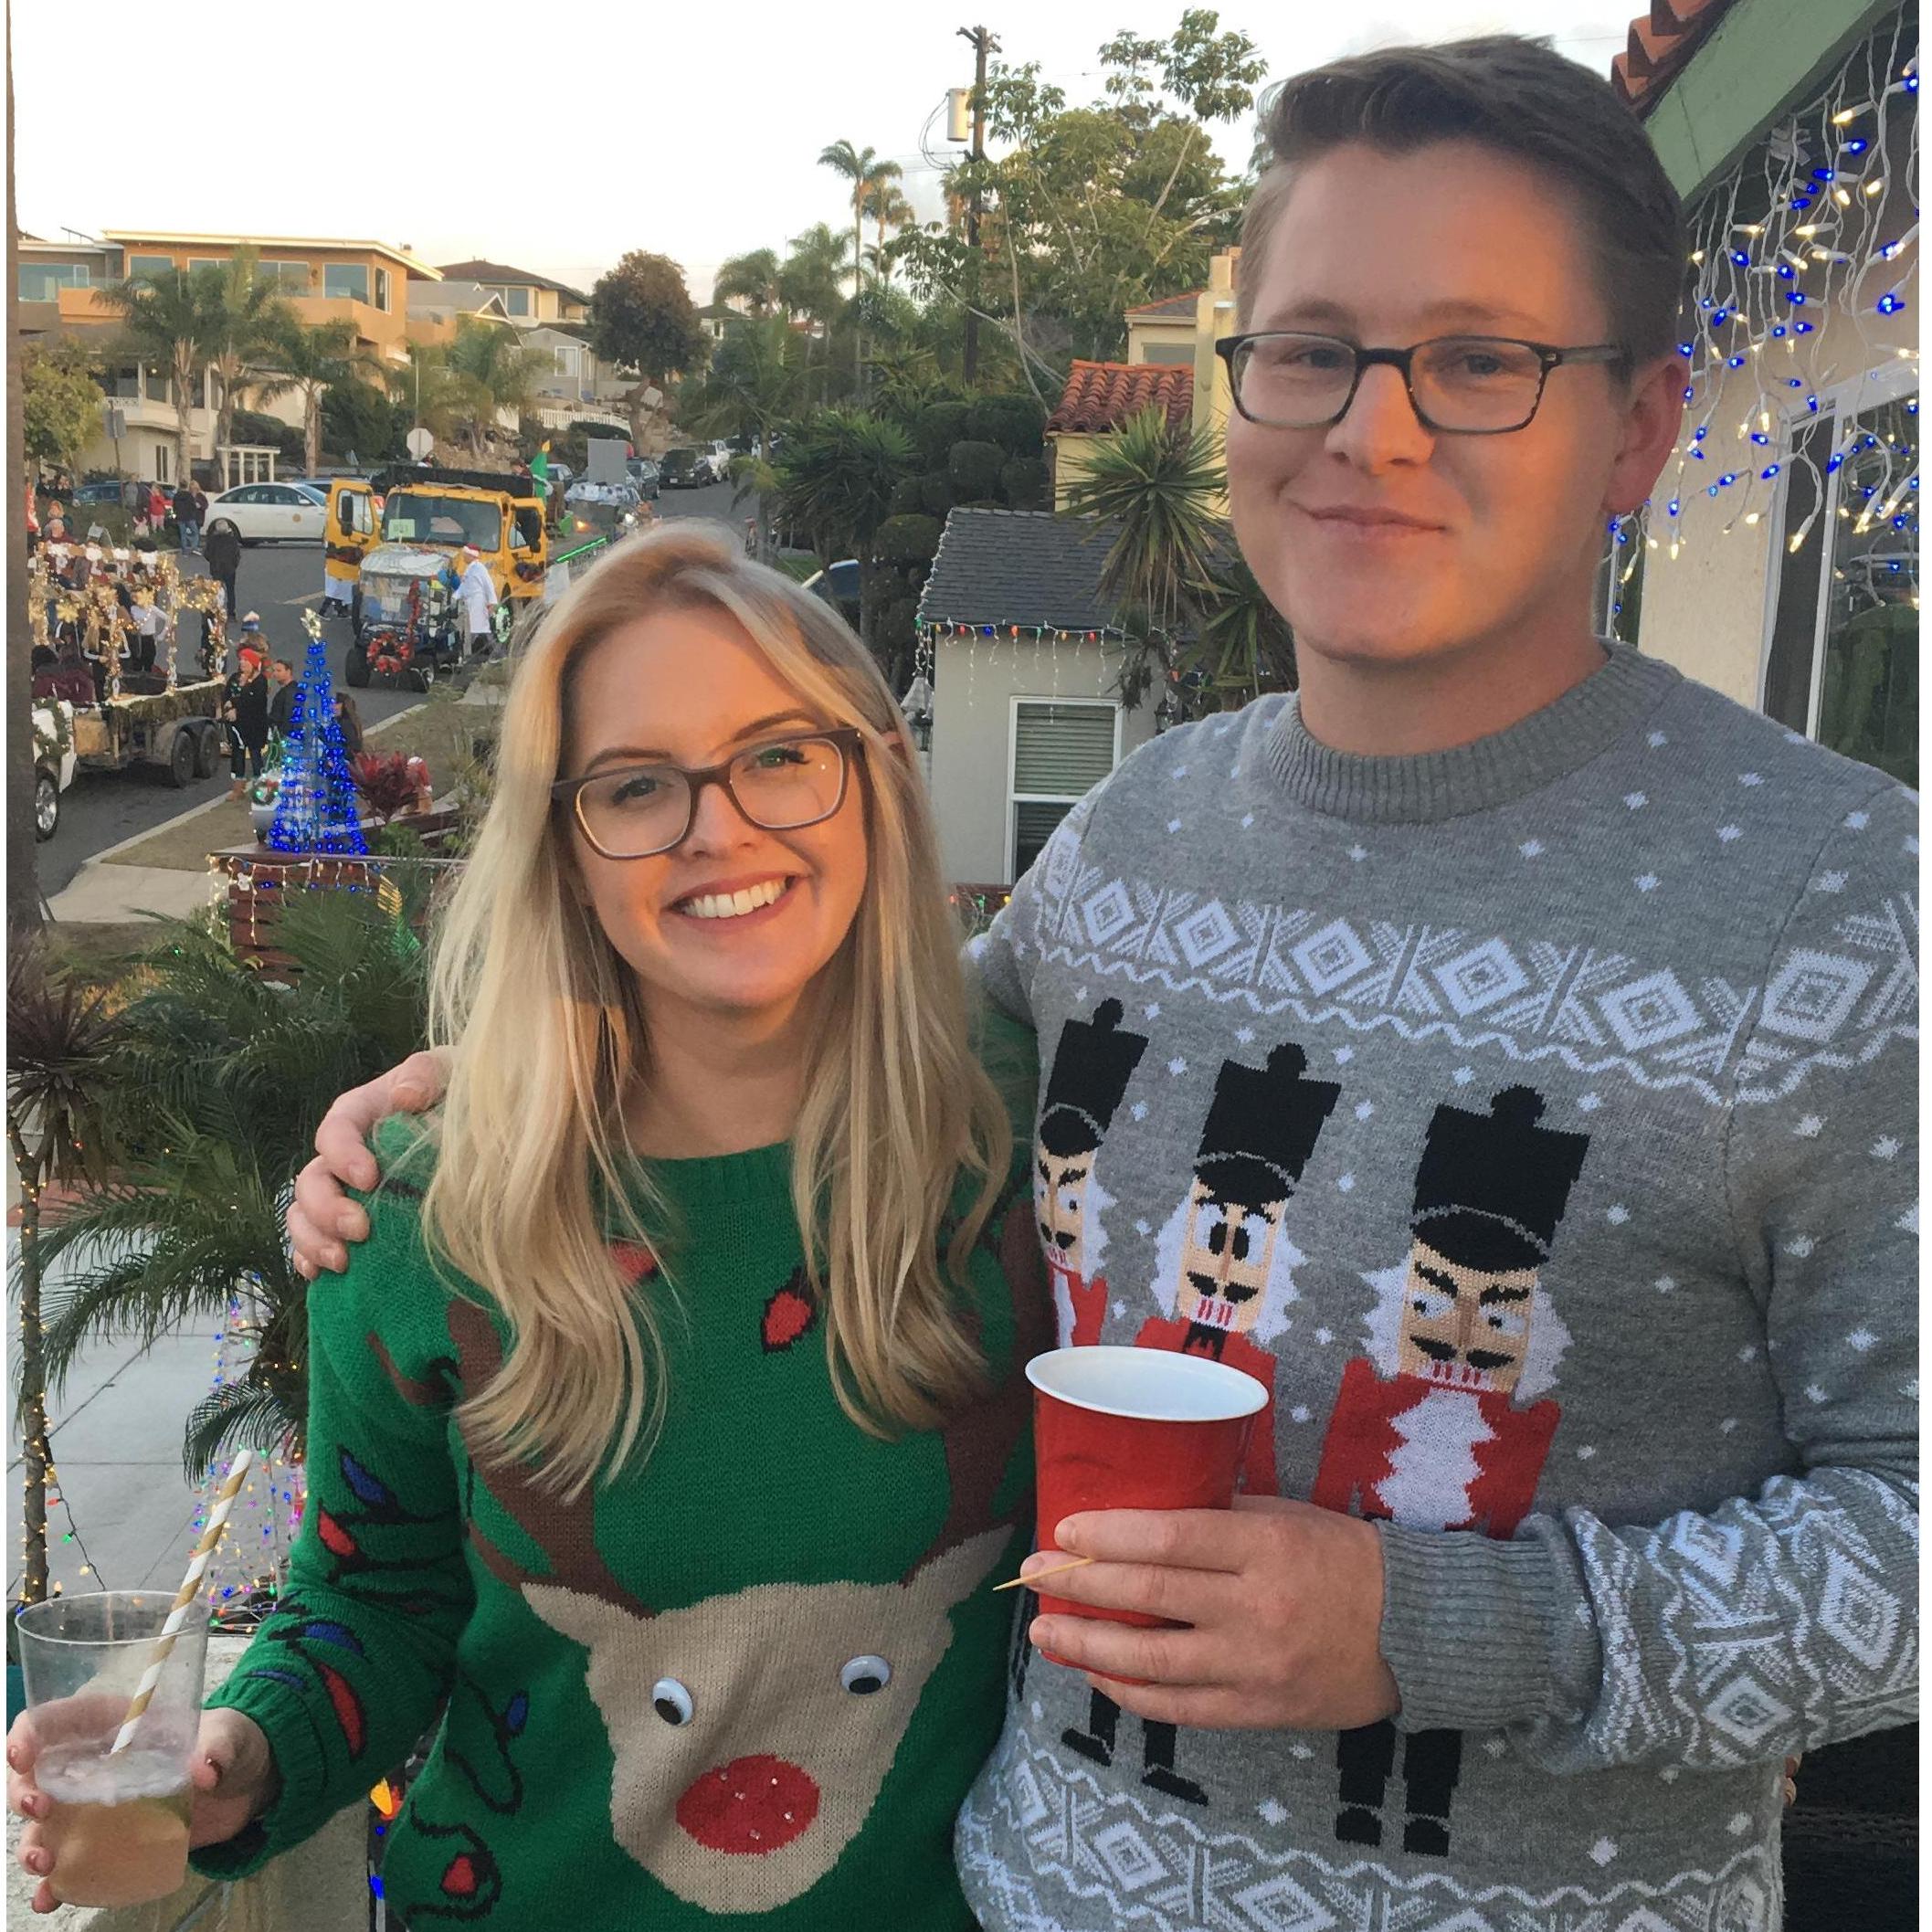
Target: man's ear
[(1652, 420)]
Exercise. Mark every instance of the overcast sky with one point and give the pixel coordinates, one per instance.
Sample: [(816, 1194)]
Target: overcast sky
[(556, 137)]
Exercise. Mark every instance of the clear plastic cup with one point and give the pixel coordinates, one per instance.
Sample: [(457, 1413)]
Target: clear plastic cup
[(118, 1827)]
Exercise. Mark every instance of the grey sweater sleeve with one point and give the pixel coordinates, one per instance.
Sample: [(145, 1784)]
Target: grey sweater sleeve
[(1788, 1619)]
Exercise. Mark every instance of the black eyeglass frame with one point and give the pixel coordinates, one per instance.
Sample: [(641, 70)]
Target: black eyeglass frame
[(1402, 360), (846, 739)]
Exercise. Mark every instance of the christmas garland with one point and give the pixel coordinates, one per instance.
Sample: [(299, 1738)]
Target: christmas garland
[(55, 739)]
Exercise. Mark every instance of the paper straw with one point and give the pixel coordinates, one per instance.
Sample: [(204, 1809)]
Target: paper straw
[(184, 1596)]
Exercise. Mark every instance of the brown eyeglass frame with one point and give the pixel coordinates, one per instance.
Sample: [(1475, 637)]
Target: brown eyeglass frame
[(847, 739)]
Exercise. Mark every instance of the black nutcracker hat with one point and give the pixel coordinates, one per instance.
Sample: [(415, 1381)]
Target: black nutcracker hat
[(1261, 1127), (1091, 1072), (1491, 1188)]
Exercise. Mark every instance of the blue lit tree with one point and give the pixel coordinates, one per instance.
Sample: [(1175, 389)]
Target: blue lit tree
[(316, 806)]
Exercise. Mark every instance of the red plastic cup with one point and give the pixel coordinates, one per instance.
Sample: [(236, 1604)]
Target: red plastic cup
[(1133, 1428)]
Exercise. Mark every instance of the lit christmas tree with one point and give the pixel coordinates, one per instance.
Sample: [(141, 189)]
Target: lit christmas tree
[(315, 805)]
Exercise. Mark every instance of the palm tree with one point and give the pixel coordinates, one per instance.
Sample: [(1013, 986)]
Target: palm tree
[(312, 358), (752, 277), (869, 176), (219, 1079), (750, 388), (60, 1039), (1246, 645), (169, 320), (1160, 485), (492, 372), (429, 390), (247, 318), (808, 278), (890, 209), (836, 479)]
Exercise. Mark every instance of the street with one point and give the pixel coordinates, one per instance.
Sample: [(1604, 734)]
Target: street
[(278, 581)]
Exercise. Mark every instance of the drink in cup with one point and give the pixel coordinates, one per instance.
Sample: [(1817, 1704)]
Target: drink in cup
[(118, 1829), (1135, 1428)]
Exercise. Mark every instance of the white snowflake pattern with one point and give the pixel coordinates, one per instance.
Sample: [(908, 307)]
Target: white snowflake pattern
[(1496, 1745), (1343, 1055), (1604, 1850), (1464, 1075), (1120, 1310), (1585, 1451), (1636, 801), (1809, 1127), (1886, 1148), (1246, 820), (1658, 740), (1272, 1811), (1857, 821), (1740, 1823), (1245, 1035), (1302, 1751), (1799, 1246), (1907, 1222), (1325, 1336), (1909, 845), (1138, 1110), (1815, 1395), (1729, 1425), (1670, 1773), (1152, 1010), (1080, 996), (1664, 1283), (1358, 852), (1174, 825), (1727, 832), (1749, 1353), (1750, 777), (1862, 1339), (1831, 881), (1616, 1214), (1038, 1713), (1530, 848), (1299, 1413), (1364, 1109), (1177, 1066), (1646, 882), (1587, 1102), (1143, 1227), (1179, 771), (1345, 1182)]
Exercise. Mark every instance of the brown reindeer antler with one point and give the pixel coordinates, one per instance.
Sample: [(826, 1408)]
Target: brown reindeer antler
[(979, 1441), (565, 1531)]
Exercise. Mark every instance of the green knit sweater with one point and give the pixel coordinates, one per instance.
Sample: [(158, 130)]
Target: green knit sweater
[(753, 1678)]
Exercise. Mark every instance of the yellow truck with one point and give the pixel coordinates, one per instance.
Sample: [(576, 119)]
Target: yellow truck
[(394, 541)]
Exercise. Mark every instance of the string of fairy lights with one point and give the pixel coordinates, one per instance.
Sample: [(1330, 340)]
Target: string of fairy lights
[(1808, 241)]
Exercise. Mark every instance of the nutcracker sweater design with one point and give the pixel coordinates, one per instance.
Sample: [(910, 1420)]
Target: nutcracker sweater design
[(1538, 1121), (749, 1680)]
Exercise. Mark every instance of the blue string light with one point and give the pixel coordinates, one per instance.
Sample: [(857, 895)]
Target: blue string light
[(315, 804)]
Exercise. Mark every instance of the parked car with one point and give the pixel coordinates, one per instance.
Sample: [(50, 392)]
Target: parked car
[(269, 513), (316, 486), (54, 761), (839, 586), (646, 475), (108, 492), (722, 454), (687, 470)]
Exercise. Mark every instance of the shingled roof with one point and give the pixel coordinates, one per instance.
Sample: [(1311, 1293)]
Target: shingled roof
[(1100, 397), (1661, 44), (1002, 567), (1176, 308)]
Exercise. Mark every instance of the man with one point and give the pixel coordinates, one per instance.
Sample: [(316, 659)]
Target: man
[(1482, 863), (281, 696), (476, 593), (186, 520), (223, 556)]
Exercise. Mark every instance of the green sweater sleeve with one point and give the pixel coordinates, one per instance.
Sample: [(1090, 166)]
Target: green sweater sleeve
[(352, 1668)]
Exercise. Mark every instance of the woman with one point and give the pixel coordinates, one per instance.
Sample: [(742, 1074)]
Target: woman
[(349, 722), (695, 1519), (244, 707)]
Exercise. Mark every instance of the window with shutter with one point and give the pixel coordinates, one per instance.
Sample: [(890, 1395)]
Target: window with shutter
[(1062, 749)]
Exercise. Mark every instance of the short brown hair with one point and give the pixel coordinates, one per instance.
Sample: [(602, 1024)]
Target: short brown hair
[(1520, 97)]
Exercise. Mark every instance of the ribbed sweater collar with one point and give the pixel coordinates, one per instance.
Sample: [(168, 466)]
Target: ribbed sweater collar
[(1426, 788)]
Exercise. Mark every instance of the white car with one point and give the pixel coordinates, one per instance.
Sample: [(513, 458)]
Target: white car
[(268, 513), (54, 761)]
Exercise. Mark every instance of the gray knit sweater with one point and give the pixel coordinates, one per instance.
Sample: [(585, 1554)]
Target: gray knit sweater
[(1537, 1120)]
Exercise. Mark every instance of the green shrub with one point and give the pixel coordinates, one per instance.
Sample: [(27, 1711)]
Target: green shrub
[(907, 539), (907, 498), (973, 467), (935, 496), (1017, 423), (938, 428), (1024, 484), (985, 503)]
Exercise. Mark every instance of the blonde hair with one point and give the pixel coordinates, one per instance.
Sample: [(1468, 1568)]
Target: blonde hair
[(546, 1032)]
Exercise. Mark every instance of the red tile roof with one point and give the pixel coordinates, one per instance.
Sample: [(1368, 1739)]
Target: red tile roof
[(1100, 397), (1662, 41)]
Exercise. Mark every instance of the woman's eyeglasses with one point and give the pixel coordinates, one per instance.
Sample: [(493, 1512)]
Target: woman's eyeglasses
[(635, 811)]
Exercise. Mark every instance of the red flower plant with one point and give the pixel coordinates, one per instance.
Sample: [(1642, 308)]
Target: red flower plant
[(386, 781)]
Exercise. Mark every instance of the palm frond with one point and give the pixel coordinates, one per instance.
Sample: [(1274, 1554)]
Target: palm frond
[(251, 1411)]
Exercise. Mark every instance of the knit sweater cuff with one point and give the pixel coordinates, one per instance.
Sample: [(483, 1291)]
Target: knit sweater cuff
[(299, 1807), (1468, 1628)]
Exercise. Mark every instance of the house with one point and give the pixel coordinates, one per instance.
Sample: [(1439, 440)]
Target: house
[(1023, 662), (573, 386), (363, 283), (1171, 360), (527, 296), (1777, 559), (435, 308)]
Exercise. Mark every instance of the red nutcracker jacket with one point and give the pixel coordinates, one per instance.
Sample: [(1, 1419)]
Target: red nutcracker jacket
[(1258, 1474), (1080, 1305), (1359, 1449)]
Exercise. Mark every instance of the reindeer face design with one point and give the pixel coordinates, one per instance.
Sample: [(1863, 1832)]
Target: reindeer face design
[(752, 1732)]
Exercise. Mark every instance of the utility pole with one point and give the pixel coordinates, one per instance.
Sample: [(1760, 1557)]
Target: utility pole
[(983, 44)]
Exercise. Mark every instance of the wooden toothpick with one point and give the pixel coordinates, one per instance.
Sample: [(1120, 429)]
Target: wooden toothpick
[(1023, 1582)]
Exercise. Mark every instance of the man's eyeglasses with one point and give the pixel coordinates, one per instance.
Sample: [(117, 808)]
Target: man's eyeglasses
[(1457, 385), (637, 811)]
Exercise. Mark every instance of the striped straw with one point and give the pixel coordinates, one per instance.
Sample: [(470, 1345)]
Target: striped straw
[(184, 1596)]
